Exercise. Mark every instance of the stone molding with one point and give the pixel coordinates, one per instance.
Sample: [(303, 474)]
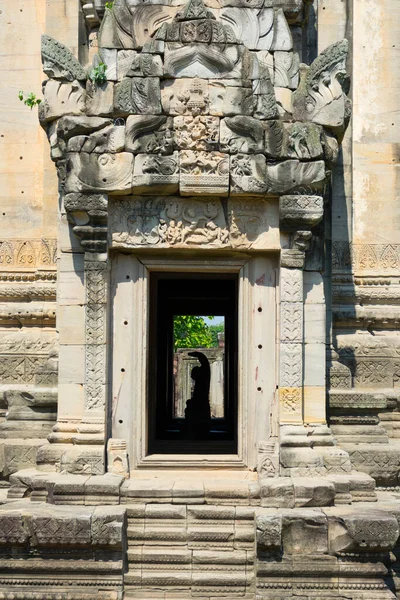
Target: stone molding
[(27, 253), (366, 258)]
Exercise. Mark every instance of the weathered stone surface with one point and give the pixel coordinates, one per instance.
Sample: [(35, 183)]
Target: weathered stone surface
[(62, 99), (204, 61), (259, 29), (286, 70), (293, 140), (269, 531), (184, 223), (110, 173), (241, 134), (99, 98), (196, 133), (226, 100), (154, 173), (305, 532), (320, 97), (137, 95), (108, 527), (16, 454), (361, 531), (290, 174), (185, 96), (135, 64), (300, 211), (109, 139), (31, 413), (117, 457), (149, 133), (313, 492), (203, 173), (248, 174), (277, 493), (58, 62)]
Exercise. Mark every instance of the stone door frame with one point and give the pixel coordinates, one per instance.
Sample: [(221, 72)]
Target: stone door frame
[(257, 416)]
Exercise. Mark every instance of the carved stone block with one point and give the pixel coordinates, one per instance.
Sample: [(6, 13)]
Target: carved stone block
[(241, 134), (300, 211), (204, 173), (117, 457), (291, 365), (305, 532), (185, 96), (183, 223), (248, 174), (263, 65), (290, 174), (249, 223), (58, 62), (109, 58), (286, 69), (13, 528), (99, 98), (109, 139), (62, 99), (125, 60), (202, 60), (263, 29), (320, 97), (268, 460), (196, 133), (16, 454), (67, 527), (172, 223), (269, 531), (154, 173), (135, 64), (293, 140), (291, 322), (149, 133), (291, 285), (110, 173), (108, 527), (363, 531), (229, 100), (138, 95), (284, 102), (83, 460), (277, 493)]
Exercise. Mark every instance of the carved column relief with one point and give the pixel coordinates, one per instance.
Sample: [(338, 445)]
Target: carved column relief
[(291, 344), (96, 276)]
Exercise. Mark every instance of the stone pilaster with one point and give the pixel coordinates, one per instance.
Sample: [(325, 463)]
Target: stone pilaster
[(291, 343)]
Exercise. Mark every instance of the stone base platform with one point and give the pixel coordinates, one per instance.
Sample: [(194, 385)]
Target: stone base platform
[(67, 537), (176, 488)]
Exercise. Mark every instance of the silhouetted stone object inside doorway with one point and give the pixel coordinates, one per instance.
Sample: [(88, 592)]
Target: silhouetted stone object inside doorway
[(198, 411)]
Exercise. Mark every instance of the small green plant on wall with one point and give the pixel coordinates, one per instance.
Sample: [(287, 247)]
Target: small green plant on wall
[(30, 99), (98, 74), (109, 5)]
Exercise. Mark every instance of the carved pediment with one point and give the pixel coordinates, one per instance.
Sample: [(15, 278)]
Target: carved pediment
[(197, 101)]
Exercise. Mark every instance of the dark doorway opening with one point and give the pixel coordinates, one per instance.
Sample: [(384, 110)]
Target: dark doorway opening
[(193, 376)]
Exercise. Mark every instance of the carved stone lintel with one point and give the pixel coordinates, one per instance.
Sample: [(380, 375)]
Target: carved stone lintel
[(174, 222)]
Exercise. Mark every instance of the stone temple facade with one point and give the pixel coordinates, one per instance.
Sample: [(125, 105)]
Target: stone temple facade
[(224, 157)]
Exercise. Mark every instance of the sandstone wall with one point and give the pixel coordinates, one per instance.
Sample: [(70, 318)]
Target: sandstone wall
[(28, 217)]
